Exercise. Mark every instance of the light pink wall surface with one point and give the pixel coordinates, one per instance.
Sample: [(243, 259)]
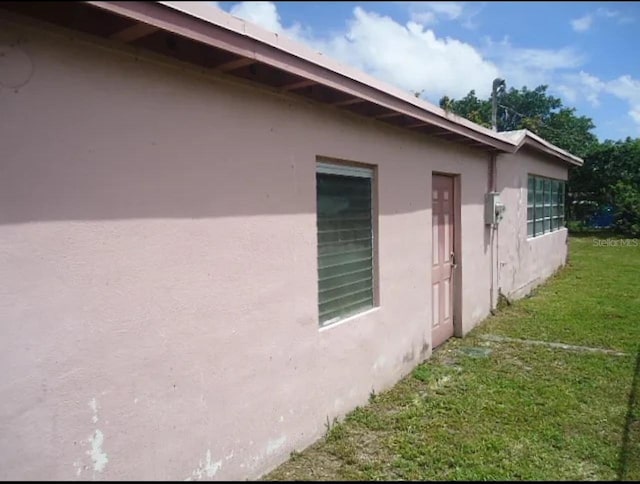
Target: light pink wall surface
[(525, 262), (158, 302)]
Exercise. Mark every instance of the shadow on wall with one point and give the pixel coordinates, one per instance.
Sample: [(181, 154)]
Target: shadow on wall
[(157, 170), (168, 145), (176, 180)]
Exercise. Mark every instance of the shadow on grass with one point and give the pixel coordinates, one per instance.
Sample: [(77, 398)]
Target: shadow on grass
[(625, 450)]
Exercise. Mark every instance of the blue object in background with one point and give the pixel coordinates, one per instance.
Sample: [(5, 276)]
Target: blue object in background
[(603, 218)]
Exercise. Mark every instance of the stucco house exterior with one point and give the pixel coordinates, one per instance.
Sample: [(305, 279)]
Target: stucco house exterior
[(213, 239)]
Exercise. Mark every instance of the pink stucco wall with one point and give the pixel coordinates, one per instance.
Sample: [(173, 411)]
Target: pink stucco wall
[(158, 302), (525, 262)]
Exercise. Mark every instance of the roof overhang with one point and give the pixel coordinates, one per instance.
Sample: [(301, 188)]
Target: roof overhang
[(524, 137), (200, 34)]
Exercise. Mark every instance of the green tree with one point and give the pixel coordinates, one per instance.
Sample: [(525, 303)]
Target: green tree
[(626, 208), (610, 176), (470, 107), (535, 110)]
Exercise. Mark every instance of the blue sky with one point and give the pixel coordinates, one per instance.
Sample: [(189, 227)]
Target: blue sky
[(587, 52)]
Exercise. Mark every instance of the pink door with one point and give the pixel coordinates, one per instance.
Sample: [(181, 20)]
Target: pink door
[(442, 260)]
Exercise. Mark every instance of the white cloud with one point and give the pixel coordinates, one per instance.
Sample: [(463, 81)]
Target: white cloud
[(605, 12), (425, 18), (453, 10), (591, 88), (625, 87), (411, 56), (265, 14), (468, 22), (582, 85), (635, 115), (628, 89), (530, 67), (429, 13), (568, 93), (582, 24)]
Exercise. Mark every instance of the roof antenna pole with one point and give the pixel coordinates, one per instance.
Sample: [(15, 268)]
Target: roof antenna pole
[(497, 83)]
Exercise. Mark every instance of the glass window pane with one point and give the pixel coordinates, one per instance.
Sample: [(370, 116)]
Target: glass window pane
[(545, 205), (539, 191), (538, 227), (547, 192), (556, 204), (345, 245)]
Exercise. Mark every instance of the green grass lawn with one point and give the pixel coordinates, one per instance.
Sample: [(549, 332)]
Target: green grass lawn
[(522, 412)]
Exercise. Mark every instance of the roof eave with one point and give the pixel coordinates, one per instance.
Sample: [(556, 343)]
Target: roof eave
[(543, 145), (224, 31)]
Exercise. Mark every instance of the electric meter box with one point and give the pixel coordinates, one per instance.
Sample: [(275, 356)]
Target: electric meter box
[(493, 208)]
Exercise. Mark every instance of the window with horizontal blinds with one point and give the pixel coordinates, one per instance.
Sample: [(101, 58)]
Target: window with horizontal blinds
[(545, 205), (345, 241)]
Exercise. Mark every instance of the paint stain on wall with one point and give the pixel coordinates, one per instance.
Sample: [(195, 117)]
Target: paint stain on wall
[(96, 453), (93, 404), (99, 458), (379, 363), (208, 469), (274, 445)]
